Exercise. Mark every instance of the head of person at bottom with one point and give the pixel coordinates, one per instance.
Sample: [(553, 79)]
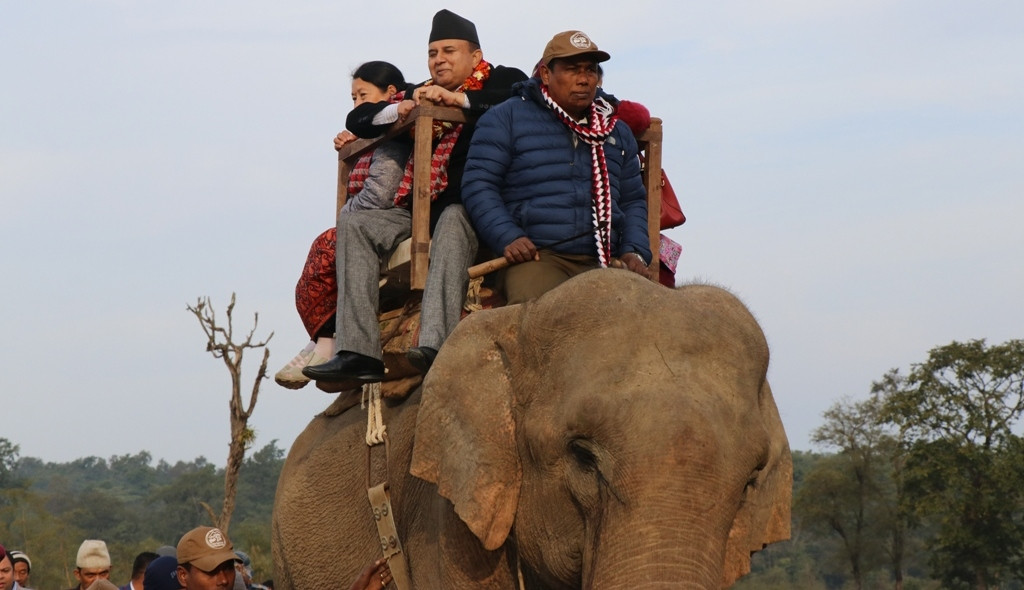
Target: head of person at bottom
[(92, 563), (22, 567), (162, 574), (6, 570), (206, 560)]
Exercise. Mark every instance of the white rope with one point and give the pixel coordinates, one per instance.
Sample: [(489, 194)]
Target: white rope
[(370, 401), (473, 302)]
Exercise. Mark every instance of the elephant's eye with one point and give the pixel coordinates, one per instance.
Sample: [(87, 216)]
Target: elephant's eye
[(580, 450), (752, 480)]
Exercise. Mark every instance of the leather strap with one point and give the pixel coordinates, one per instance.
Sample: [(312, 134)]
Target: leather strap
[(390, 544)]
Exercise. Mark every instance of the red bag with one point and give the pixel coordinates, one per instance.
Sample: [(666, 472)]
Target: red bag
[(671, 213)]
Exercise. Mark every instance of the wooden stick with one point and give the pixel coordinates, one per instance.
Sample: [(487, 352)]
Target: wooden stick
[(478, 270), (484, 268)]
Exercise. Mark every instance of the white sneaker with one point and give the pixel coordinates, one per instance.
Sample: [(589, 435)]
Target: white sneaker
[(290, 375)]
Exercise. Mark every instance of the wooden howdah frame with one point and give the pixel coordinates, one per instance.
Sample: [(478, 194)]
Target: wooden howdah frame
[(422, 118)]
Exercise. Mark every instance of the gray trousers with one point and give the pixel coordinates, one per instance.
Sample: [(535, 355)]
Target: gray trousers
[(367, 237)]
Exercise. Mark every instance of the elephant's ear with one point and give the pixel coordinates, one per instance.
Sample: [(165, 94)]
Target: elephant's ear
[(465, 431), (764, 516)]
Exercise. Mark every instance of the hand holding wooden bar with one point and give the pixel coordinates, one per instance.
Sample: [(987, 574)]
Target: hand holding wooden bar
[(484, 268)]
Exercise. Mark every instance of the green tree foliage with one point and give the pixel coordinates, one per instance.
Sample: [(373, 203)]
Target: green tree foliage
[(966, 393), (177, 506), (47, 509), (799, 562), (895, 512), (844, 494), (925, 488), (8, 460), (834, 500), (858, 494), (258, 482), (965, 464)]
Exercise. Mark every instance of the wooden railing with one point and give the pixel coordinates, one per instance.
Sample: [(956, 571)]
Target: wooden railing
[(423, 118), (650, 147)]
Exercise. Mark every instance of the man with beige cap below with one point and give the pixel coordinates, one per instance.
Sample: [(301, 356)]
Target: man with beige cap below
[(206, 559), (92, 563)]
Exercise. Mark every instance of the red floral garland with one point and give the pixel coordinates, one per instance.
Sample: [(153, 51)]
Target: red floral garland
[(445, 134)]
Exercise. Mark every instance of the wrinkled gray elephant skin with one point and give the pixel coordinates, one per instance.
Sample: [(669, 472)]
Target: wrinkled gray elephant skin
[(613, 434)]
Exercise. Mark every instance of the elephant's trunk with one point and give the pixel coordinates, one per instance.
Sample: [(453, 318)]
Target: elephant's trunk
[(655, 557), (661, 540), (657, 563)]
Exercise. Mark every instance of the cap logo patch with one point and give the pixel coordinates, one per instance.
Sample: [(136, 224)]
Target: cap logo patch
[(215, 539), (580, 41)]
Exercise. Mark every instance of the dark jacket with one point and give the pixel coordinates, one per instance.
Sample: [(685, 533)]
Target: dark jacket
[(496, 89), (526, 176)]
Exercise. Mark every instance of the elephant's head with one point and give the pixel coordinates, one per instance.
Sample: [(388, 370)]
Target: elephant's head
[(621, 432)]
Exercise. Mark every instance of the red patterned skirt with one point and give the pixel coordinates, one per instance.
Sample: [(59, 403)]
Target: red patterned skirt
[(316, 293)]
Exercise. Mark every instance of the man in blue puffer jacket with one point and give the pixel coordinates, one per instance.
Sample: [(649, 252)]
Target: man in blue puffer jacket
[(553, 163)]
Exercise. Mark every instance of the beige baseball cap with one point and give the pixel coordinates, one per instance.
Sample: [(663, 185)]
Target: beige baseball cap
[(205, 548), (572, 43)]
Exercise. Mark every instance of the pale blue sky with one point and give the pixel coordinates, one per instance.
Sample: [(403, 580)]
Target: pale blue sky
[(852, 170)]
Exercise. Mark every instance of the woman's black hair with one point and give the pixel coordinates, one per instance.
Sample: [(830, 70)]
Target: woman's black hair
[(381, 74)]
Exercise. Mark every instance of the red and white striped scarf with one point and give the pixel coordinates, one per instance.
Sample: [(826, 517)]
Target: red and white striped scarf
[(601, 122), (445, 134), (361, 169)]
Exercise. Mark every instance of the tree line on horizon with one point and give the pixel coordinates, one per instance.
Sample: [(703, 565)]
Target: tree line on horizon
[(924, 489), (918, 487), (47, 509)]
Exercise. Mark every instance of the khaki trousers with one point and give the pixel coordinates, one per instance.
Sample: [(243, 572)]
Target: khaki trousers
[(529, 280)]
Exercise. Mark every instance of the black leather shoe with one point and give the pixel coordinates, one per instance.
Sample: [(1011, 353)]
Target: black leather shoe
[(421, 357), (346, 366)]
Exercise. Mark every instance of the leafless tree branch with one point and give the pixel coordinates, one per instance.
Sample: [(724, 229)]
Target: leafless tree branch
[(220, 343)]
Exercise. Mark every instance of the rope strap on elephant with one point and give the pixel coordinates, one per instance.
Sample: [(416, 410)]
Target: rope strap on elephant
[(375, 429), (378, 495)]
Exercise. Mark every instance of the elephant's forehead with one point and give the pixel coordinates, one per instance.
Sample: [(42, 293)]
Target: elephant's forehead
[(656, 369), (644, 429), (681, 401)]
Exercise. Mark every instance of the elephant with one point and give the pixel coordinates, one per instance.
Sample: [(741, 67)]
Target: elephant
[(613, 433)]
